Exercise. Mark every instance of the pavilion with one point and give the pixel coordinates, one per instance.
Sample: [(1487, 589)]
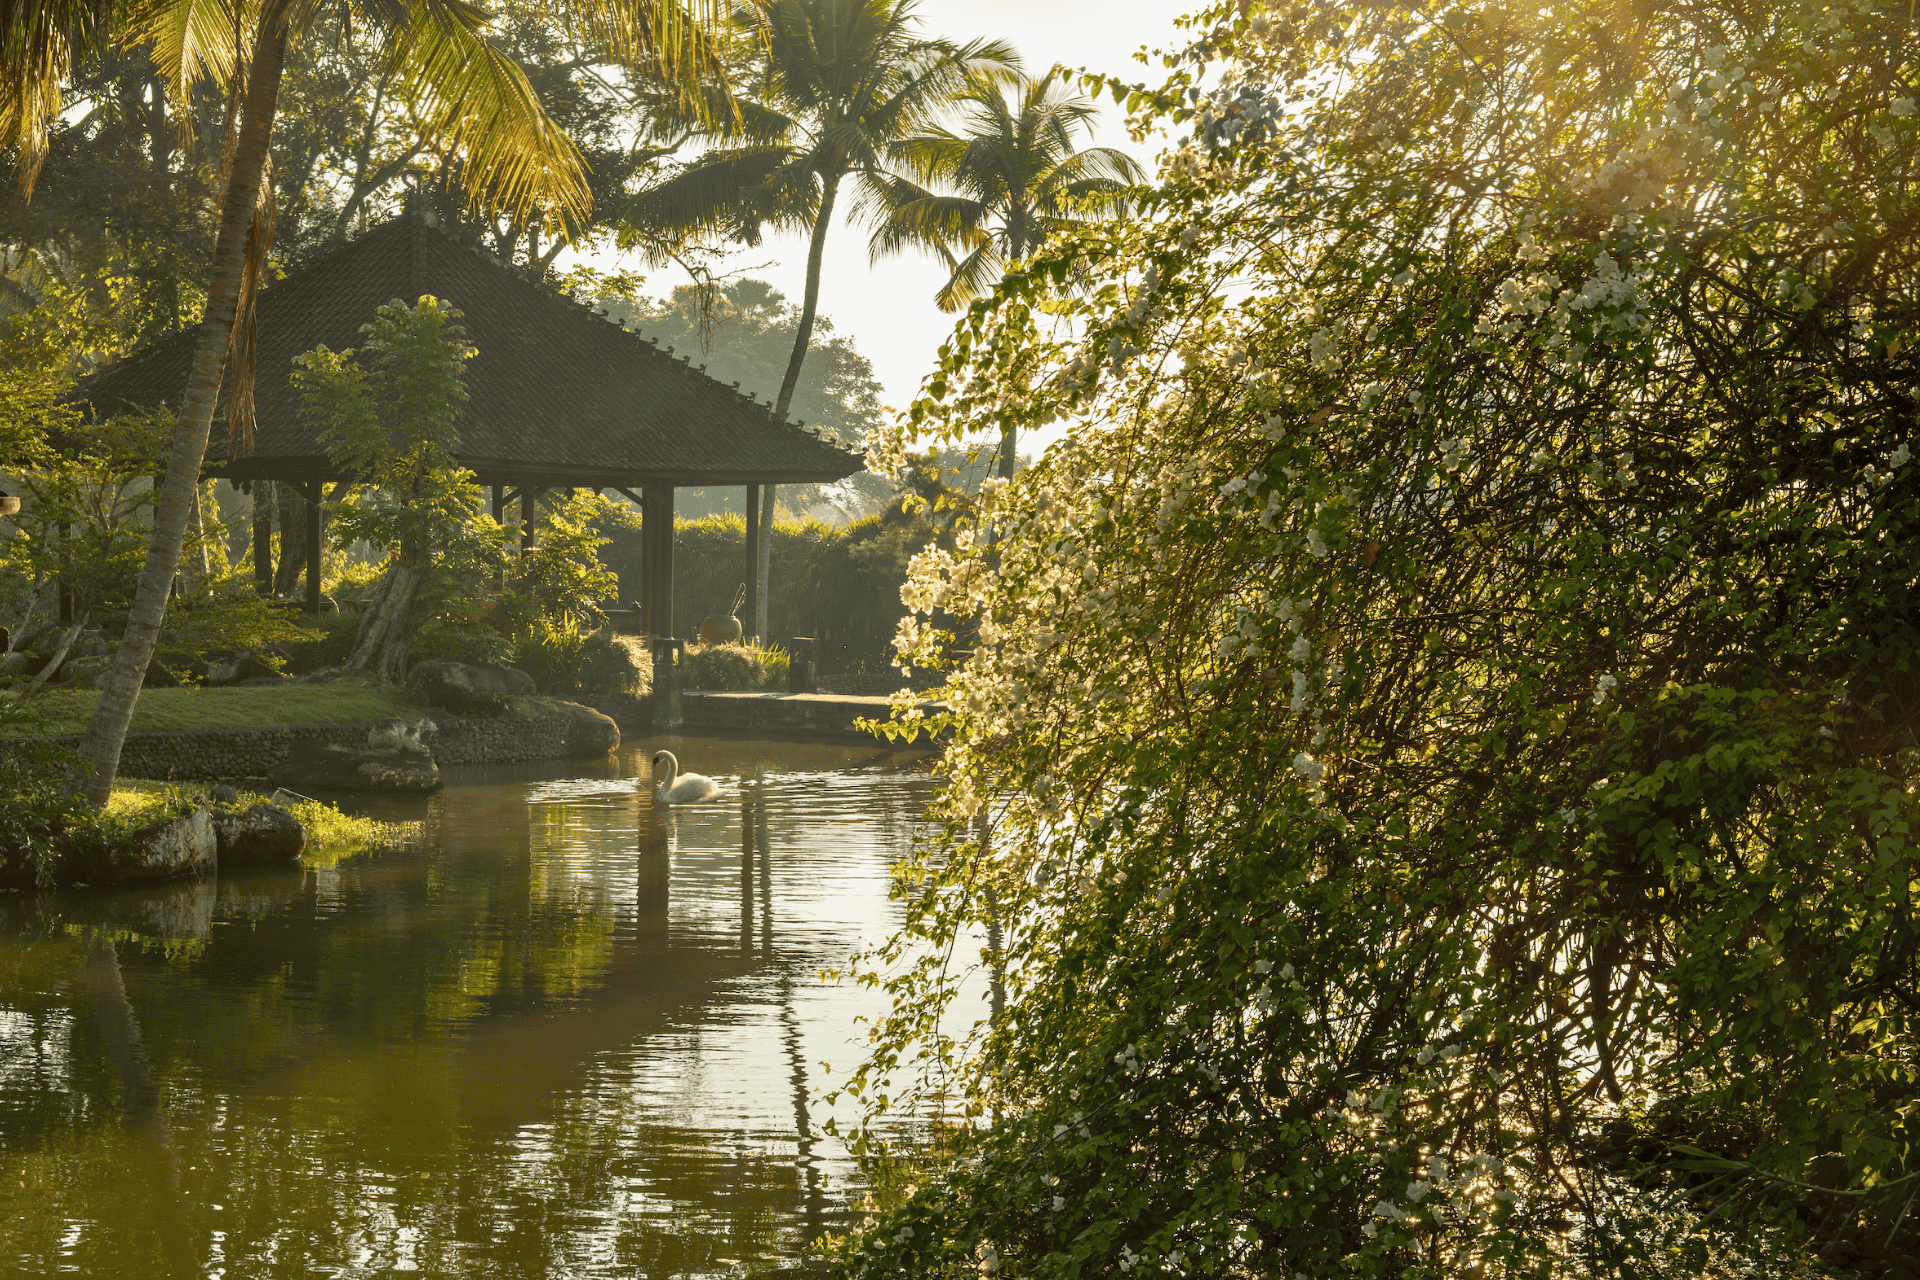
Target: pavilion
[(559, 397)]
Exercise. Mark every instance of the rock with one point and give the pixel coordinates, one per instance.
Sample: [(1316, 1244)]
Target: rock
[(224, 794), (589, 733), (319, 767), (158, 677), (240, 666), (41, 638), (283, 798), (184, 847), (19, 663), (83, 671), (464, 688), (262, 835), (396, 734)]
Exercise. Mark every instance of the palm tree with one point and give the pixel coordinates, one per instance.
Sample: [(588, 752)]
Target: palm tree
[(1016, 177), (838, 82), (478, 107)]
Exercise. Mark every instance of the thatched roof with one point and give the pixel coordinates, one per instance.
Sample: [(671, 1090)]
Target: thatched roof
[(557, 394)]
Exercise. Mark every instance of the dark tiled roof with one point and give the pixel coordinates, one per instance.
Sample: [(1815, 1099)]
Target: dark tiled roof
[(556, 393)]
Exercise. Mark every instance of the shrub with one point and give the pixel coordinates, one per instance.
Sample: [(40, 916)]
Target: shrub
[(723, 666), (38, 807), (554, 652)]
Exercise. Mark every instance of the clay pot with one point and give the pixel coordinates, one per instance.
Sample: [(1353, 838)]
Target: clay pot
[(716, 629)]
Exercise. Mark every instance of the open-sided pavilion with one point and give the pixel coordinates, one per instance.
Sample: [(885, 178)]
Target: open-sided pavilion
[(559, 397)]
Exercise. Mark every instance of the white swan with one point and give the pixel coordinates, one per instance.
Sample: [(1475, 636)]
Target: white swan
[(681, 788)]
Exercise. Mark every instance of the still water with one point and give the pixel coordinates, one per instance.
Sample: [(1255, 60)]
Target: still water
[(565, 1034)]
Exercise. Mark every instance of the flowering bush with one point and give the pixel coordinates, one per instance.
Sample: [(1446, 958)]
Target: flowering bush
[(1434, 765)]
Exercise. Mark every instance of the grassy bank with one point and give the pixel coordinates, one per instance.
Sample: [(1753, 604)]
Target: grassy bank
[(340, 702), (331, 834)]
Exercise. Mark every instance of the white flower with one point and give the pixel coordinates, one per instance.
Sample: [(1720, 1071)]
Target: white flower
[(1059, 1203), (1901, 106), (1899, 457), (1417, 1191), (1263, 966), (1309, 768), (1302, 649), (1316, 545), (1606, 685)]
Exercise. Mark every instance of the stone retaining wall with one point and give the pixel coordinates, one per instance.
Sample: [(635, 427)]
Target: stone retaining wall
[(788, 715), (204, 754)]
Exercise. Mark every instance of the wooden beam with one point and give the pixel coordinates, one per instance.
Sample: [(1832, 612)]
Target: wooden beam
[(656, 560), (629, 495), (753, 562), (263, 536), (527, 496)]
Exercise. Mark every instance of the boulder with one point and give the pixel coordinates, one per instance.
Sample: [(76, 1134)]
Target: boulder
[(183, 847), (589, 733), (396, 734), (241, 666), (262, 835), (315, 766), (465, 688), (224, 794)]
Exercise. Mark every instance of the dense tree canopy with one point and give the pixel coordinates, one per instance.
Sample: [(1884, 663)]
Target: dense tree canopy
[(1444, 715)]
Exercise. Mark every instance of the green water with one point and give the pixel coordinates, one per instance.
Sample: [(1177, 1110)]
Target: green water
[(566, 1035)]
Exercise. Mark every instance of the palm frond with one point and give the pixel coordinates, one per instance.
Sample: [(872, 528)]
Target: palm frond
[(974, 277), (726, 194), (679, 44), (195, 40), (475, 103), (40, 41)]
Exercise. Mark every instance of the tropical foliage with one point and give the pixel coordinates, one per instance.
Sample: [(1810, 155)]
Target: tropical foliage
[(1435, 759), (386, 415), (1015, 180)]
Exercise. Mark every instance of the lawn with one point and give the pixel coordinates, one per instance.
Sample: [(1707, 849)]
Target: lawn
[(335, 703)]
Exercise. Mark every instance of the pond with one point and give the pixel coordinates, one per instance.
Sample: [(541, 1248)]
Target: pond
[(564, 1034)]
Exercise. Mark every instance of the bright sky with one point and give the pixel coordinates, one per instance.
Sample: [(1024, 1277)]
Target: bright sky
[(888, 309)]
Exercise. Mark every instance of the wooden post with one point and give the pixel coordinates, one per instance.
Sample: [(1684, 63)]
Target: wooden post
[(656, 559), (500, 518), (753, 558), (526, 516), (262, 491), (313, 496)]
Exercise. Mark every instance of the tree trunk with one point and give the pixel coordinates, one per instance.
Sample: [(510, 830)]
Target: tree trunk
[(263, 537), (293, 539), (59, 655), (809, 308), (386, 632), (107, 732), (1016, 249)]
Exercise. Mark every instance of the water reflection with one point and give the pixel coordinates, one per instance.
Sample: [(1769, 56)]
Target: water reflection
[(568, 1035)]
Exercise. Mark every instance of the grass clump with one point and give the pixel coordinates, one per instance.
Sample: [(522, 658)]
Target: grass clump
[(733, 667), (337, 702)]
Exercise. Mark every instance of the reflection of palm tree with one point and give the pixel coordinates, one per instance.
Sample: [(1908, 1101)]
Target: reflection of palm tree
[(119, 1029), (1016, 180), (839, 81)]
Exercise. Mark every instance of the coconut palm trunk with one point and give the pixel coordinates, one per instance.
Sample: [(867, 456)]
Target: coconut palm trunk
[(107, 731), (809, 308)]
